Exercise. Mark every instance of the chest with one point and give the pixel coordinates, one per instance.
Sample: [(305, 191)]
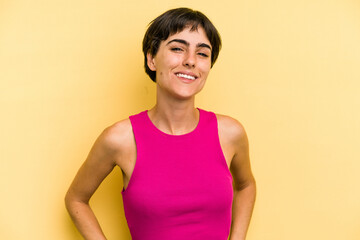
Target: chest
[(178, 181), (127, 160), (181, 165)]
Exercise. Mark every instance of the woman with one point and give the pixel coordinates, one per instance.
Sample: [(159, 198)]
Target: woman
[(175, 158)]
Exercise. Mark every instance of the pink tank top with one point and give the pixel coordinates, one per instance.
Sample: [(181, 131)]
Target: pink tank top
[(181, 187)]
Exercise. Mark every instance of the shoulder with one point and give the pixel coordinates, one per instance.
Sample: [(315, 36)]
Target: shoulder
[(231, 129), (230, 125), (116, 137)]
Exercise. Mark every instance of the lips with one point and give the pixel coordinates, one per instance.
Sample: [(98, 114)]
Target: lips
[(189, 76)]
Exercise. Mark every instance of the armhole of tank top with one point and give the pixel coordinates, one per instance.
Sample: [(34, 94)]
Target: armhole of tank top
[(125, 190), (221, 153)]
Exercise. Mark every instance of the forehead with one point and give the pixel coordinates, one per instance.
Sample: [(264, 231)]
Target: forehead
[(192, 36)]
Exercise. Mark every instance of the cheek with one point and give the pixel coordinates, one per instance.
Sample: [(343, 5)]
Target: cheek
[(168, 63), (205, 68), (173, 61)]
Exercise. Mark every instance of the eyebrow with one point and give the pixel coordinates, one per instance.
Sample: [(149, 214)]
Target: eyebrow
[(199, 45)]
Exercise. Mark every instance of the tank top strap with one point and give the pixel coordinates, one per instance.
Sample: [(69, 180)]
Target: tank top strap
[(210, 134), (140, 128), (208, 121)]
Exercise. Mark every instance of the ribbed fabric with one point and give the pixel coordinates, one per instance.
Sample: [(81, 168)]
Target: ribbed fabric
[(181, 187)]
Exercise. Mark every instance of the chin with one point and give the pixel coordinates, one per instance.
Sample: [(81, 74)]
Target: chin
[(186, 95)]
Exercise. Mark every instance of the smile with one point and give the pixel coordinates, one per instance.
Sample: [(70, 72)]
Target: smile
[(185, 76)]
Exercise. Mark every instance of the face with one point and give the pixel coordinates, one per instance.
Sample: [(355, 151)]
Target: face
[(182, 63)]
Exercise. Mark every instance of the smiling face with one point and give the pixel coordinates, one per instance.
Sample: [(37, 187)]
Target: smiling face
[(182, 63)]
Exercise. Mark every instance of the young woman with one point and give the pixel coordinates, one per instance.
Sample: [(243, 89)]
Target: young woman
[(186, 171)]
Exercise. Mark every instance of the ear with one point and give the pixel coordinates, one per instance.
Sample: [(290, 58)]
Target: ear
[(151, 62)]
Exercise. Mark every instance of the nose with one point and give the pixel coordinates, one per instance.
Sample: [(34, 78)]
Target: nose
[(189, 60)]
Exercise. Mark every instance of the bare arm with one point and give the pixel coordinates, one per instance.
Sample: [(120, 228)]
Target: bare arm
[(244, 187), (99, 163), (236, 147)]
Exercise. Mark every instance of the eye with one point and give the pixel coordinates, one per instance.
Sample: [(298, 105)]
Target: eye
[(176, 49), (203, 54)]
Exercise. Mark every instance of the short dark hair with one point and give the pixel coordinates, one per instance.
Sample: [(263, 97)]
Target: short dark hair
[(174, 21)]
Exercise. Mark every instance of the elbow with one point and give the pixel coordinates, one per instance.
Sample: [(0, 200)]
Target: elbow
[(247, 190), (249, 184), (68, 201), (73, 202)]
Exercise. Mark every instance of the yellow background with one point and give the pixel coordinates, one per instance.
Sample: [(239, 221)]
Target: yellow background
[(288, 70)]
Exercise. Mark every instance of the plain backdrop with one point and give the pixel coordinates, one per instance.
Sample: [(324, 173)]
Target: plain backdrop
[(288, 71)]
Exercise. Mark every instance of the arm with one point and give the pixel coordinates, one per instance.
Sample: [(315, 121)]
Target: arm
[(99, 163), (244, 187), (235, 146)]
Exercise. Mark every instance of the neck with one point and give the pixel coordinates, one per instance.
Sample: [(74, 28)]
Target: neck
[(175, 117)]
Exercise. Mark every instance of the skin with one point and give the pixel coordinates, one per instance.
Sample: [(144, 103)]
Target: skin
[(187, 52)]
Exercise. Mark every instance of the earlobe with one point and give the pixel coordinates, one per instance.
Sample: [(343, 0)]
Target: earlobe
[(151, 62)]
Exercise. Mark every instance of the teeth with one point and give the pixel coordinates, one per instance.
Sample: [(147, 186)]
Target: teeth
[(185, 76)]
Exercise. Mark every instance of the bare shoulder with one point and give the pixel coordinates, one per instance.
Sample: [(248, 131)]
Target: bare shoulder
[(117, 136), (231, 129)]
